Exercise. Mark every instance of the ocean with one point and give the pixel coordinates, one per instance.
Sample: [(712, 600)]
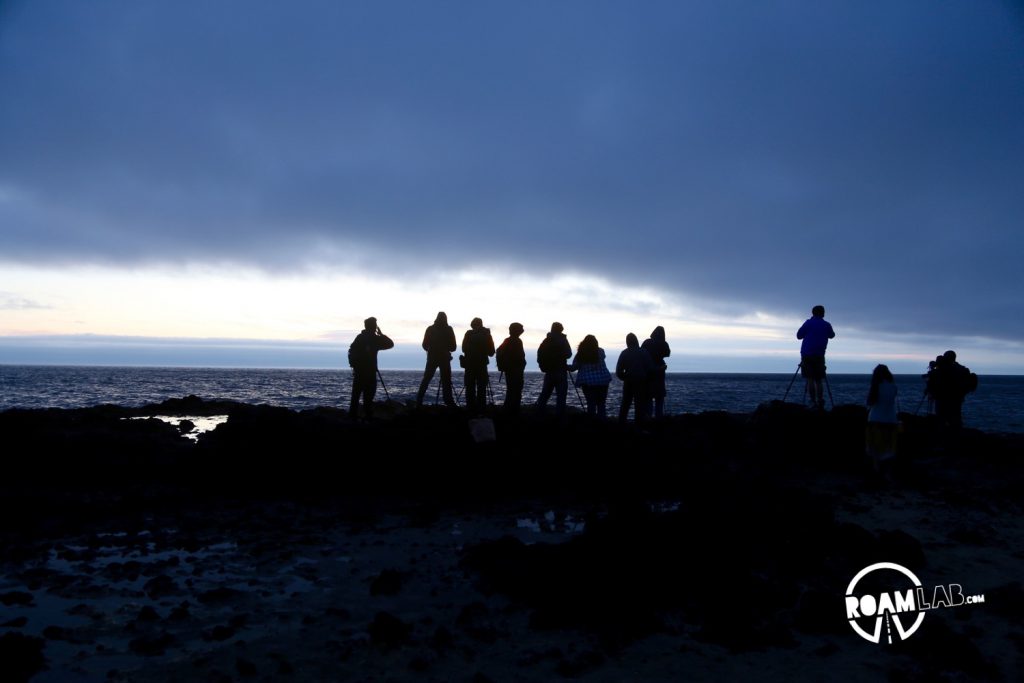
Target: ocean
[(997, 405)]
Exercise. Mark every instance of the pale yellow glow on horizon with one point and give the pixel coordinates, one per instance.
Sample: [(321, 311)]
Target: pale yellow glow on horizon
[(328, 306), (199, 302)]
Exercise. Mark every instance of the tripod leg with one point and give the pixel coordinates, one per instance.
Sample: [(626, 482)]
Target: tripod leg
[(578, 397), (786, 395)]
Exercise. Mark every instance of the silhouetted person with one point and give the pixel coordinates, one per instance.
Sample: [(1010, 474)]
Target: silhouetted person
[(593, 374), (552, 354), (511, 359), (634, 368), (362, 358), (883, 420), (949, 383), (932, 364), (657, 348), (815, 333), (477, 348), (438, 342)]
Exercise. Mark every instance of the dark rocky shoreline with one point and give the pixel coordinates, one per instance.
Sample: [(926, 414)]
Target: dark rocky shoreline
[(704, 534)]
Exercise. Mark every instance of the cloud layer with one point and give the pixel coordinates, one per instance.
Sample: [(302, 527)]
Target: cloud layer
[(748, 157)]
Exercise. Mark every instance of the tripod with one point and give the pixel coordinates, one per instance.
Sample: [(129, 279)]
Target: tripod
[(828, 386), (578, 397), (786, 395)]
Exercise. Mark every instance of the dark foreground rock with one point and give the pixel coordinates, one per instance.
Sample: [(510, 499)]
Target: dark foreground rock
[(20, 656), (703, 534)]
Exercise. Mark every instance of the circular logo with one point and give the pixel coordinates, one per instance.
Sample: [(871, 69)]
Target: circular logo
[(891, 606)]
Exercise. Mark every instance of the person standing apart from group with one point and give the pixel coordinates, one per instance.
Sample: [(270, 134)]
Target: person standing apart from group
[(362, 358), (634, 368), (511, 360), (477, 348), (439, 343), (814, 333), (593, 375), (552, 355), (657, 348)]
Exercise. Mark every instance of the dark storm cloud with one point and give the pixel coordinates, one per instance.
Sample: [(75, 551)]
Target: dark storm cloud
[(768, 157)]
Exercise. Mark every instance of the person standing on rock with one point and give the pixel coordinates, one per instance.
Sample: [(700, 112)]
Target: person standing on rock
[(477, 348), (949, 383), (362, 358), (658, 349), (634, 368), (814, 333), (439, 343), (883, 418), (552, 355), (511, 359), (593, 377)]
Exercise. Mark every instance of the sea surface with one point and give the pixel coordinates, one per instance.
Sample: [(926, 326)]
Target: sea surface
[(997, 405)]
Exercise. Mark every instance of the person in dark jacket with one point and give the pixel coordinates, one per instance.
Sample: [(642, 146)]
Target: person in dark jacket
[(949, 383), (634, 368), (552, 354), (593, 377), (511, 359), (438, 342), (362, 358), (657, 348), (477, 348)]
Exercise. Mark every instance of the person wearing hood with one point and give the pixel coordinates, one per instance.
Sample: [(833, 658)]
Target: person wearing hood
[(634, 368), (511, 359), (477, 348), (552, 354), (657, 348), (439, 343)]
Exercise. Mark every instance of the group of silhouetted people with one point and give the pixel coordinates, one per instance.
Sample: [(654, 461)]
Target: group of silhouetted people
[(947, 385), (641, 368)]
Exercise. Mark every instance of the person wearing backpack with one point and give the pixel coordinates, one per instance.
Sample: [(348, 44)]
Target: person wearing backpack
[(438, 342), (950, 383), (362, 358), (593, 376), (477, 348), (634, 368), (552, 354), (511, 359)]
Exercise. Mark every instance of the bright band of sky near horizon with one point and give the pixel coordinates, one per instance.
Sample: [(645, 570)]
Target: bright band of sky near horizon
[(181, 180), (323, 307)]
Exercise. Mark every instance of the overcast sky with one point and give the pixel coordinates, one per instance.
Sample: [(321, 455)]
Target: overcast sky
[(733, 159)]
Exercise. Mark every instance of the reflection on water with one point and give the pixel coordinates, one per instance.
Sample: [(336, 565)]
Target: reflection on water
[(200, 423)]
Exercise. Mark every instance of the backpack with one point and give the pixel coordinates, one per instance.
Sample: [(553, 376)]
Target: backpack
[(359, 354), (549, 356), (500, 356), (971, 383)]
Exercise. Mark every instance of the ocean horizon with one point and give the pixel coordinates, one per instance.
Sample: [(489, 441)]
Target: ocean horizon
[(997, 405)]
